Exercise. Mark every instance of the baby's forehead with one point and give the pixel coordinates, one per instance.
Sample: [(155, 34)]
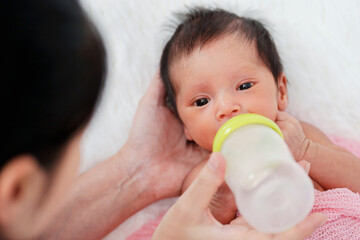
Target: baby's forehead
[(182, 64), (184, 58)]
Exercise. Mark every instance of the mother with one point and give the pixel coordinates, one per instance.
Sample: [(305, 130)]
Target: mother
[(53, 65)]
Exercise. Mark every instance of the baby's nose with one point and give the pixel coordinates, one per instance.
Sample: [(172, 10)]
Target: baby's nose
[(228, 111)]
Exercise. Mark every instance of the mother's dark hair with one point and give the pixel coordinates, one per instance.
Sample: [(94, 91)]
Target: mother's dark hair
[(52, 70)]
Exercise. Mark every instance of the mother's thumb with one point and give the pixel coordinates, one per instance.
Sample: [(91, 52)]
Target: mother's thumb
[(200, 192)]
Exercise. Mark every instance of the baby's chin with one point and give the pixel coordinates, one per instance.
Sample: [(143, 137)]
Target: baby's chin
[(206, 146), (205, 141)]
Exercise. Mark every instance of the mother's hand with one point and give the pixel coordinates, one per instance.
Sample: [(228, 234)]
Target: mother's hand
[(157, 140), (190, 217)]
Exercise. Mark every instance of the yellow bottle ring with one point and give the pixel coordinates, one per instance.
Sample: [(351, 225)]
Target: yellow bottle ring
[(239, 121)]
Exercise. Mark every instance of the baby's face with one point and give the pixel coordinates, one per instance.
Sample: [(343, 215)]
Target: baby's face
[(221, 80)]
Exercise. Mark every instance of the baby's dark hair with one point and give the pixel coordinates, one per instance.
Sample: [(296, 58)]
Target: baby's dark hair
[(200, 26)]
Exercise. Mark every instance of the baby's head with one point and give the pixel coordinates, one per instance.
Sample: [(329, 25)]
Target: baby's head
[(218, 65)]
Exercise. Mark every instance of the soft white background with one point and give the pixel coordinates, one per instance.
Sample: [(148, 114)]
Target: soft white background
[(319, 43)]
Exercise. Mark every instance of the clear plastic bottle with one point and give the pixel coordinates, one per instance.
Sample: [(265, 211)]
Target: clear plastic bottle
[(272, 192)]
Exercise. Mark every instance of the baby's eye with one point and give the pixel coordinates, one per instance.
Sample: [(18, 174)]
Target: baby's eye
[(201, 102), (245, 86)]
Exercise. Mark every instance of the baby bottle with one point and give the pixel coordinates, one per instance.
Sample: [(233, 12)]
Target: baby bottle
[(272, 192)]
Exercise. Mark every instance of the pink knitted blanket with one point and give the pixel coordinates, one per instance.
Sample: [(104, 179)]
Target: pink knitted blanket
[(341, 206)]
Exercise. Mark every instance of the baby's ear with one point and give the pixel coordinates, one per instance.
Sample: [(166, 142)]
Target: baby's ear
[(187, 134), (282, 93)]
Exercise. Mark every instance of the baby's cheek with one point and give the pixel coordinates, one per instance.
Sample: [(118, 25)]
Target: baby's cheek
[(267, 110), (205, 141), (202, 129)]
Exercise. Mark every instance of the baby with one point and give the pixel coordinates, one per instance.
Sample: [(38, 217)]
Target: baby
[(218, 65)]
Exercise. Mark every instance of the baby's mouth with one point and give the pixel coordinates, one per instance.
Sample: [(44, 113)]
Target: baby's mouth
[(220, 123)]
